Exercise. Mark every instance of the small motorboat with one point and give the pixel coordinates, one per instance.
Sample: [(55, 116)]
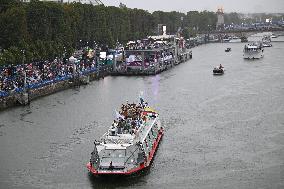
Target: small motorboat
[(266, 44), (218, 71), (273, 36), (228, 50)]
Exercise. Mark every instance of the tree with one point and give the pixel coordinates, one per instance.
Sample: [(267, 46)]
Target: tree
[(13, 27), (46, 30), (232, 18)]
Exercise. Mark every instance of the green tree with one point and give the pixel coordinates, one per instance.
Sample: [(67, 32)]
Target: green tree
[(13, 27)]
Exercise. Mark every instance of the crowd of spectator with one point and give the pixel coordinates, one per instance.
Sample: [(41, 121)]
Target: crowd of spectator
[(37, 74)]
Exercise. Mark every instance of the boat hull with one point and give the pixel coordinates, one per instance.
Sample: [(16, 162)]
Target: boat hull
[(137, 169), (267, 45), (253, 55), (218, 71)]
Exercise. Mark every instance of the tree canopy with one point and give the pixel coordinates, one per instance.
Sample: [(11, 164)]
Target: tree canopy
[(44, 30)]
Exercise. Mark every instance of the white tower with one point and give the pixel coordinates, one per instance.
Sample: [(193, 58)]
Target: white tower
[(220, 18)]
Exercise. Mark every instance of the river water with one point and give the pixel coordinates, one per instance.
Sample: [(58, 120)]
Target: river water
[(220, 131)]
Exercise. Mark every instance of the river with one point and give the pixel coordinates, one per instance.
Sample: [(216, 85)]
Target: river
[(220, 131)]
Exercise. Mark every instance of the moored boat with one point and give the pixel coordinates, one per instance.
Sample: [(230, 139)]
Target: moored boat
[(130, 143), (266, 41), (225, 40), (273, 35), (235, 39)]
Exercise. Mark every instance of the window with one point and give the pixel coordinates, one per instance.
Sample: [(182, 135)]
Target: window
[(113, 153)]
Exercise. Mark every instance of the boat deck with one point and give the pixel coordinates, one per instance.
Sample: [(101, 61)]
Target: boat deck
[(130, 137)]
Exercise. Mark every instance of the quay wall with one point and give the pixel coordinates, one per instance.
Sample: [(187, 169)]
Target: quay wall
[(15, 98)]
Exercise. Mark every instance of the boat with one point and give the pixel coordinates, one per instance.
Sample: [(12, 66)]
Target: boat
[(226, 40), (228, 49), (235, 39), (266, 41), (150, 61), (253, 51), (130, 143), (273, 36), (267, 44), (218, 70)]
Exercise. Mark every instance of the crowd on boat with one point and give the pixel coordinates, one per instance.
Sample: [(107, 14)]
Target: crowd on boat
[(129, 118), (253, 47), (12, 78)]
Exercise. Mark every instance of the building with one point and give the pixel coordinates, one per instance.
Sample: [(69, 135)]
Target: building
[(220, 18)]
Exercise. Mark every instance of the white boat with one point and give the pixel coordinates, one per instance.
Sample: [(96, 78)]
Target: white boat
[(266, 41), (273, 36), (226, 40), (130, 143), (253, 51), (235, 39), (266, 44)]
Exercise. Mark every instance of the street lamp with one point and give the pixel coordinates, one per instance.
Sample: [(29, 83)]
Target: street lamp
[(80, 43), (64, 53), (25, 73), (23, 52)]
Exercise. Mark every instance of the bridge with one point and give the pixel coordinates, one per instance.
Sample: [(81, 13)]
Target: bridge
[(243, 32)]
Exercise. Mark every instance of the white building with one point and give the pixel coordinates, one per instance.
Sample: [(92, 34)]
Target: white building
[(220, 18)]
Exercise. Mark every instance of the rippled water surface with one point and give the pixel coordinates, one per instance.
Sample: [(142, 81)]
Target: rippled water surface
[(221, 131)]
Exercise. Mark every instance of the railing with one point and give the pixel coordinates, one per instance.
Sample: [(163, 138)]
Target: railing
[(46, 82)]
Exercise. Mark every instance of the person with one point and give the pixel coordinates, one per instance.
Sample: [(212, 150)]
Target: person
[(220, 67), (111, 166)]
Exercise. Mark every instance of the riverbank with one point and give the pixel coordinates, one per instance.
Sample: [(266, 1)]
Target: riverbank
[(24, 98)]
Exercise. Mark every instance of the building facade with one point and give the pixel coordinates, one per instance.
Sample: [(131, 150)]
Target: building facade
[(220, 19)]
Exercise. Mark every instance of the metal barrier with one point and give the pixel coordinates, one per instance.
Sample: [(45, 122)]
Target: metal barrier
[(45, 82)]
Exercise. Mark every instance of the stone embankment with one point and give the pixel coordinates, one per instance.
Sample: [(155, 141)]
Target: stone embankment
[(26, 97)]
